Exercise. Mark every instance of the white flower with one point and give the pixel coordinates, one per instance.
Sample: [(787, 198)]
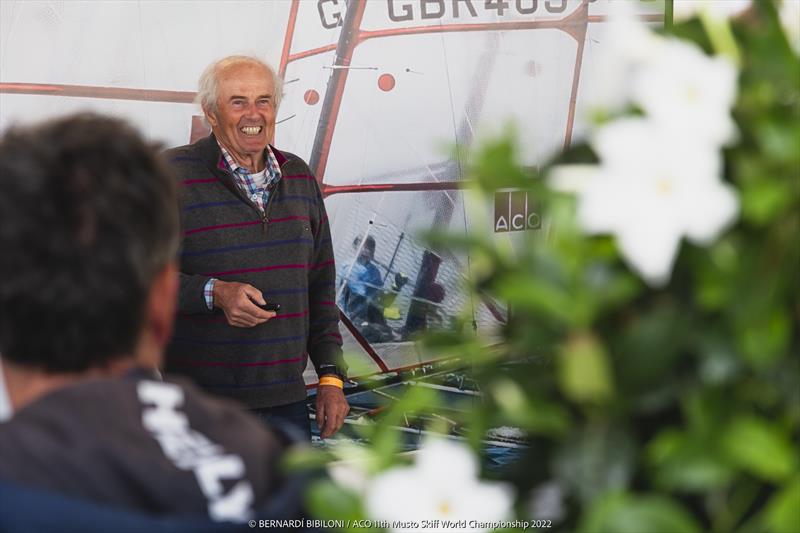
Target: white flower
[(625, 44), (687, 90), (442, 485), (351, 476), (718, 9), (351, 470), (790, 20), (653, 187)]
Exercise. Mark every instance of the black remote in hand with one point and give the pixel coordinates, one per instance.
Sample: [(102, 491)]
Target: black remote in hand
[(270, 306)]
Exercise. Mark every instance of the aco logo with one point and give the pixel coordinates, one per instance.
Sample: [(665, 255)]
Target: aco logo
[(514, 211)]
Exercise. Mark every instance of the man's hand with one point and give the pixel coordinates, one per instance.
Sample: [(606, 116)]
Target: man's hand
[(237, 301), (332, 407)]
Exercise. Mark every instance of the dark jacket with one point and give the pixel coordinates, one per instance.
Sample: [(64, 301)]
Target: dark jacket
[(286, 253), (163, 449)]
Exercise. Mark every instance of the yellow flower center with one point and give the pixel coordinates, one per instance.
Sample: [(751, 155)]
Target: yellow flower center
[(664, 186), (692, 94), (444, 508)]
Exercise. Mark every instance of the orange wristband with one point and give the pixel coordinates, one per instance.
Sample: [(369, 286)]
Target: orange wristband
[(331, 380)]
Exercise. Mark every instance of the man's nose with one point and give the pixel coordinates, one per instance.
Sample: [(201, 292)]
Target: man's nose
[(251, 110)]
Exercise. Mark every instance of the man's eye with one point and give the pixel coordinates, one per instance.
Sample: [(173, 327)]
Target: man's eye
[(238, 102), (263, 101)]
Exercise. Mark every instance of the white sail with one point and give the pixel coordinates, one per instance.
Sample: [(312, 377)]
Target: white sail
[(377, 94)]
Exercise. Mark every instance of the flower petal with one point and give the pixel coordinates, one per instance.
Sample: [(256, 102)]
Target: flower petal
[(715, 211), (651, 251)]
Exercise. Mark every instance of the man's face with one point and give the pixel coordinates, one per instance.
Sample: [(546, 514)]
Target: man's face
[(245, 118)]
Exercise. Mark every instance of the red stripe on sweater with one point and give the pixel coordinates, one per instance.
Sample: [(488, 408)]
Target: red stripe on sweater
[(222, 226), (320, 265), (298, 217)]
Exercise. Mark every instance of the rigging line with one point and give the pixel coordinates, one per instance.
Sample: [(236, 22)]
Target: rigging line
[(452, 111), (460, 170), (344, 67)]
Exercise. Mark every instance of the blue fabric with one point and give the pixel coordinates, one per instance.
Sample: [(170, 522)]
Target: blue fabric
[(362, 282)]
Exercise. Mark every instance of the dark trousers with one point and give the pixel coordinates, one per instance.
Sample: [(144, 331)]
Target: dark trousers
[(292, 418)]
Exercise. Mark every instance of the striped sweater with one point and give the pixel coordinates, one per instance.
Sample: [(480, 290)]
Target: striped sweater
[(286, 252)]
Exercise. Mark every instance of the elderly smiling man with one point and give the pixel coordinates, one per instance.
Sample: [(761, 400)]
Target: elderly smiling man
[(257, 272)]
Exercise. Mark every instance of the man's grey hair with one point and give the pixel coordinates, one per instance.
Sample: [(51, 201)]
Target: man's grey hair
[(208, 86)]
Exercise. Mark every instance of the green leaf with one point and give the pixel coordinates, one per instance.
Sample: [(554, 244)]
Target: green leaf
[(305, 458), (759, 448), (719, 362), (523, 292), (624, 513), (328, 501), (681, 462), (783, 509), (716, 271), (534, 415), (495, 164), (778, 144), (386, 438), (584, 371), (764, 339), (595, 460), (648, 347), (765, 200)]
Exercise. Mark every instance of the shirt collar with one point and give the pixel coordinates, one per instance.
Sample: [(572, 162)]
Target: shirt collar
[(272, 166)]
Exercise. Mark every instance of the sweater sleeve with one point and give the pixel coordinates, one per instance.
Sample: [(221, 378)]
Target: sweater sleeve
[(324, 339), (191, 295)]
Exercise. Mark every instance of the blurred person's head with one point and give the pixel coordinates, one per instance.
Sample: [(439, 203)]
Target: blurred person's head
[(367, 252), (88, 239), (240, 97)]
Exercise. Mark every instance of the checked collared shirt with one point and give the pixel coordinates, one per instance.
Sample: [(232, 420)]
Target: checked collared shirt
[(254, 186)]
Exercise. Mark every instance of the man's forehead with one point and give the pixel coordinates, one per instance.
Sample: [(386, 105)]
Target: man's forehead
[(245, 78)]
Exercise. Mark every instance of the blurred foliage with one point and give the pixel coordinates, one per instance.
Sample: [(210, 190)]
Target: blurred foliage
[(669, 410)]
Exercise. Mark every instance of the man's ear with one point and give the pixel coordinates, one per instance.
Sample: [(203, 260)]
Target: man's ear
[(211, 118), (161, 303)]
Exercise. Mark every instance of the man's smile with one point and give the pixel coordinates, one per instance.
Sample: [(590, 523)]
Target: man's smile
[(251, 130)]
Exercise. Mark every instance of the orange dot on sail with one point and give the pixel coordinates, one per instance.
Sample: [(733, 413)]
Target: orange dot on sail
[(386, 82), (311, 97)]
